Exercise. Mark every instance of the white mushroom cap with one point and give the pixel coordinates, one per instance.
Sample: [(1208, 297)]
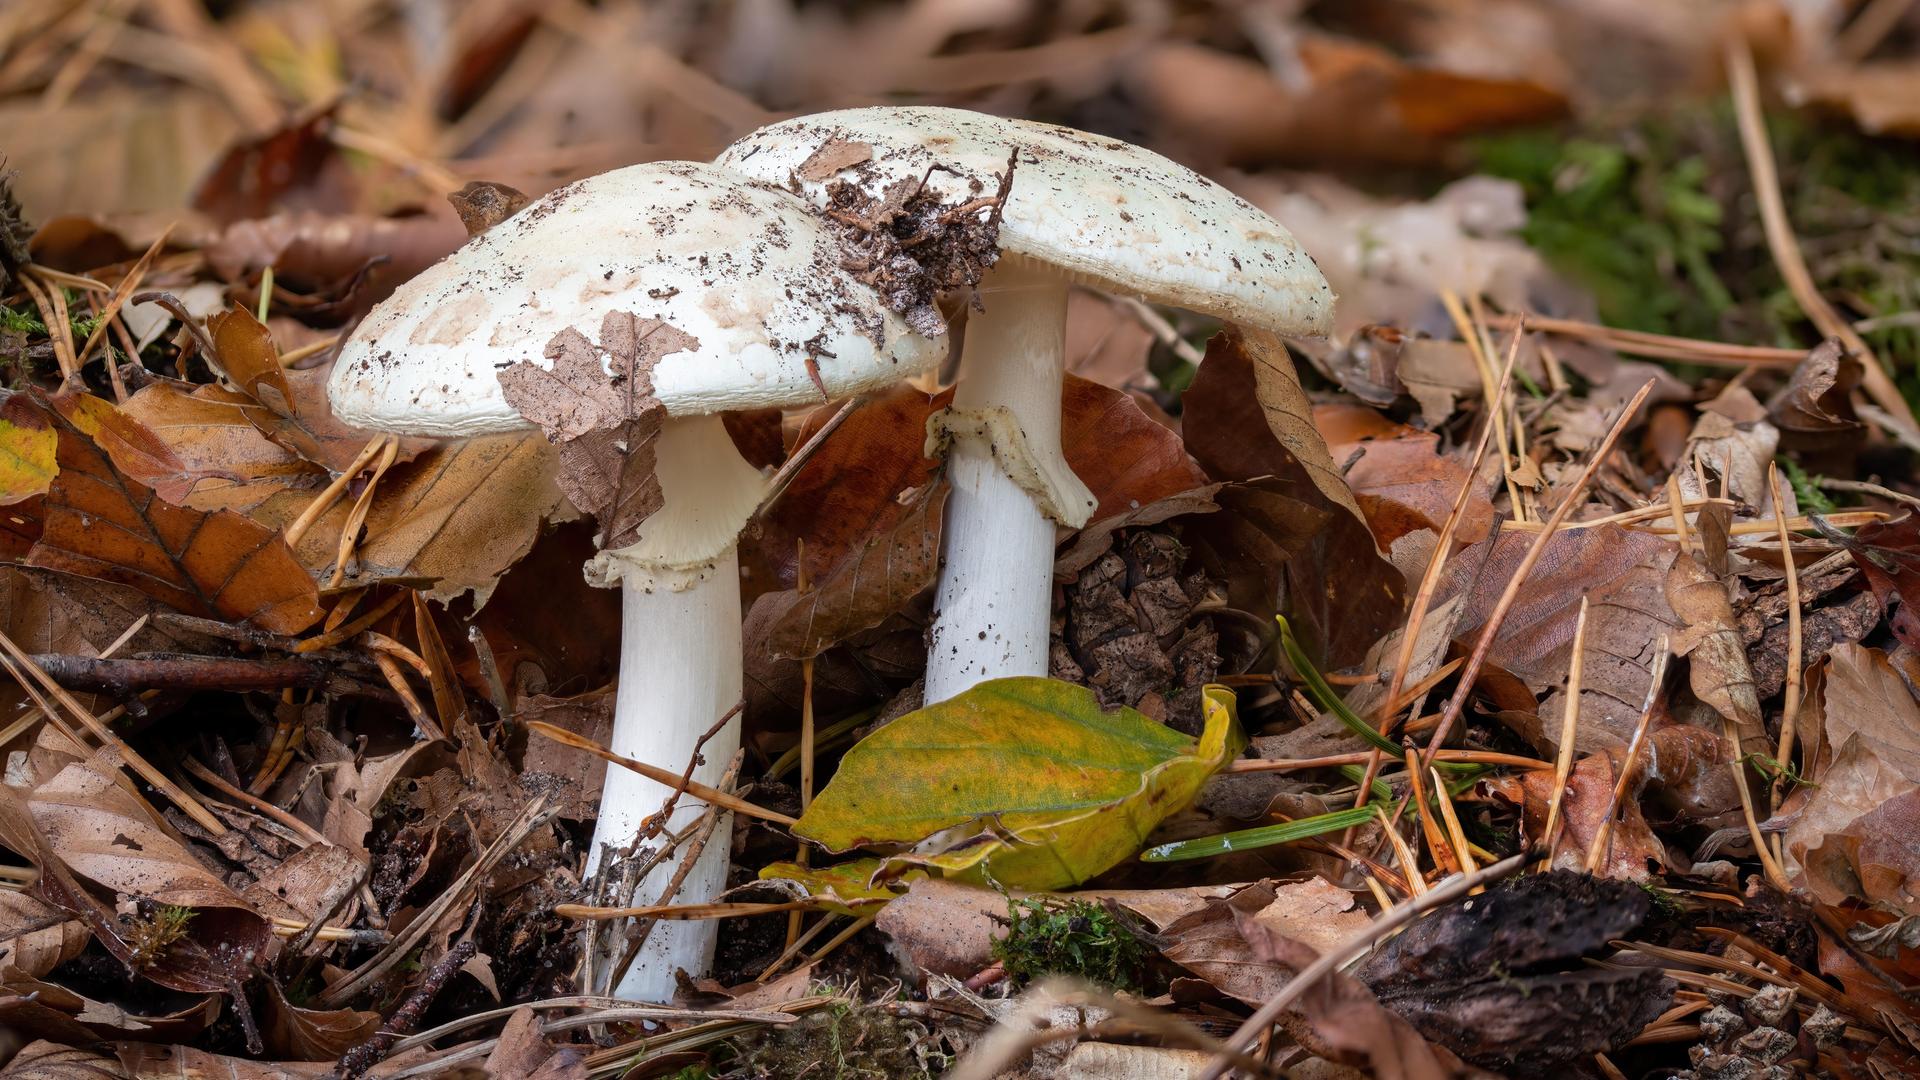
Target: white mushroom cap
[(744, 268), (1101, 210)]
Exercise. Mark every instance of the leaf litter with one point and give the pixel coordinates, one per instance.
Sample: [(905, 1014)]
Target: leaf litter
[(276, 802)]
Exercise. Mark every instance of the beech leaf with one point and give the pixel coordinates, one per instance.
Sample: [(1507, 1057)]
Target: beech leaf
[(1021, 781), (101, 523), (27, 445)]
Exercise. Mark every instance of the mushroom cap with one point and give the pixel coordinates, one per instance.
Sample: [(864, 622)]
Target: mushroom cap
[(744, 268), (1101, 210)]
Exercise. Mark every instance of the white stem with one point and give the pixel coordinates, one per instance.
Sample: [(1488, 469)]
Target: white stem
[(996, 581), (680, 669)]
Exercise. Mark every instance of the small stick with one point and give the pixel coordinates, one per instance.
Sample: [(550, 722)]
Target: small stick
[(174, 793), (1602, 845), (659, 775), (793, 950), (1791, 710), (1624, 517), (680, 911), (802, 853), (1862, 487), (792, 466), (368, 1054), (1787, 256), (1331, 960), (1569, 725)]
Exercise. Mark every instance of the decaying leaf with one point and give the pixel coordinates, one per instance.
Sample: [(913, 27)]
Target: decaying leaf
[(1023, 781), (101, 523), (604, 417), (1717, 660), (219, 457), (244, 351)]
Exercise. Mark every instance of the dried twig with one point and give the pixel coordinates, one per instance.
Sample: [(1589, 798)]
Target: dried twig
[(1569, 727), (1787, 257), (1602, 845), (659, 775), (407, 1017)]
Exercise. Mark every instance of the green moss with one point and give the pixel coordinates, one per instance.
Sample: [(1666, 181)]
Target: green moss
[(1658, 220), (1050, 936), (848, 1040)]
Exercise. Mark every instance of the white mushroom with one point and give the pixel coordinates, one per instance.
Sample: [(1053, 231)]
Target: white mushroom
[(765, 316), (1082, 208)]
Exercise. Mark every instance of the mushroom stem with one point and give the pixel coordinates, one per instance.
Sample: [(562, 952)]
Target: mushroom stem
[(996, 581), (679, 672)]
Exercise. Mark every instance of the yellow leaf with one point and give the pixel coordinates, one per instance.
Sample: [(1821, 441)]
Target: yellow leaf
[(846, 888), (1023, 781), (27, 445)]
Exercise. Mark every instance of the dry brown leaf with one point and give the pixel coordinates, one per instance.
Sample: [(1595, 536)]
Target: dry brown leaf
[(1398, 475), (604, 418), (1870, 724), (1290, 537), (1125, 457), (1582, 809), (849, 490), (36, 937), (1716, 657), (1814, 411), (452, 519), (244, 352), (524, 1050), (1621, 572), (219, 458), (44, 1060), (1734, 440), (102, 524), (871, 582), (293, 1033), (1359, 103), (1883, 96), (574, 777)]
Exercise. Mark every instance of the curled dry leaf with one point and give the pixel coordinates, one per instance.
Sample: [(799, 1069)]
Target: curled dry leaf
[(244, 352), (1584, 806), (1888, 553), (604, 418), (1717, 659), (1850, 837), (1814, 411), (1291, 537), (101, 523), (36, 937)]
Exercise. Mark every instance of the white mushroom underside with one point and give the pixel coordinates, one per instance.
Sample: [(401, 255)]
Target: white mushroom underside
[(709, 493), (1099, 209)]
